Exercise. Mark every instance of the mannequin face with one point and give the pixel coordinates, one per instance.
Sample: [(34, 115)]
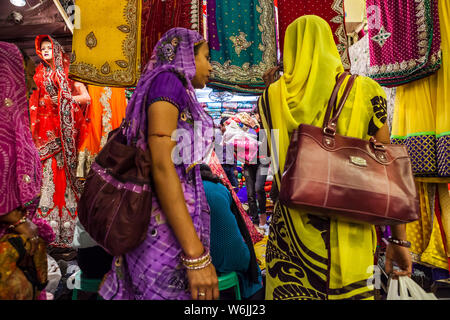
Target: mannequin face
[(46, 50)]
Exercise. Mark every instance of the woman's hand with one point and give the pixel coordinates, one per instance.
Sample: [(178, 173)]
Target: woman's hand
[(270, 75), (27, 228), (203, 283), (30, 231), (402, 257)]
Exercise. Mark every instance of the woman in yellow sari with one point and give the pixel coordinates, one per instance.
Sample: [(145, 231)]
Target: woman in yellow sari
[(309, 257)]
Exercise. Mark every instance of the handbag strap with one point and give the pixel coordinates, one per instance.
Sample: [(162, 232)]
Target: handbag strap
[(329, 126), (333, 98)]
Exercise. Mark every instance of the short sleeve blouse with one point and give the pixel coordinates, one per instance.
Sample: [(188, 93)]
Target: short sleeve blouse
[(167, 86)]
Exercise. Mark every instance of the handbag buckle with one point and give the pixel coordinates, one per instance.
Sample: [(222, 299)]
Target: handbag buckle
[(329, 131), (376, 145)]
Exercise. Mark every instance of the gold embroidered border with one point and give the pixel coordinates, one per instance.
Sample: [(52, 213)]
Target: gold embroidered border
[(106, 115), (196, 14), (130, 48), (340, 33), (252, 73)]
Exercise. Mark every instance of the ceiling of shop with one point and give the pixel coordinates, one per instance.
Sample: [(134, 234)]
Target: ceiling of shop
[(39, 17)]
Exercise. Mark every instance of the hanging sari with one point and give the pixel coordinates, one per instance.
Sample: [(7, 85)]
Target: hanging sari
[(106, 112), (58, 130), (422, 113), (241, 37), (106, 46), (397, 59), (359, 54), (309, 257), (160, 16), (330, 10)]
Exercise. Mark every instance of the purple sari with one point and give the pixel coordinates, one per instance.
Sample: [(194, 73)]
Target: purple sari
[(153, 270), (20, 167)]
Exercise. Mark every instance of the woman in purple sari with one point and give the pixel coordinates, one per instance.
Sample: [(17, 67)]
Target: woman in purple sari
[(20, 183), (164, 117)]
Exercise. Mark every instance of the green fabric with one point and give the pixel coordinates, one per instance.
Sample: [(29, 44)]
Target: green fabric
[(246, 33)]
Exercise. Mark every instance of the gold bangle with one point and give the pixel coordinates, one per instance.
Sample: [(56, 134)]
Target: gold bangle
[(200, 265), (195, 262)]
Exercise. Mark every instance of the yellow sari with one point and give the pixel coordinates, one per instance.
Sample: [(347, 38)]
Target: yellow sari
[(422, 113), (309, 257), (106, 46)]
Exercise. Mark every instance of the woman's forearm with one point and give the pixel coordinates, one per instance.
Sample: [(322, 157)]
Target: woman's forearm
[(399, 231), (82, 95), (11, 217), (172, 201)]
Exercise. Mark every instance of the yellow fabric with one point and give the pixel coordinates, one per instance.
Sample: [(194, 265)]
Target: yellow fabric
[(427, 244), (418, 232), (260, 252), (422, 112), (424, 105), (435, 254), (414, 110), (106, 49), (444, 200), (311, 63), (442, 94)]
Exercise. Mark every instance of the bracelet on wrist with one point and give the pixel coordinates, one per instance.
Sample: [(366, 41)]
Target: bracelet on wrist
[(402, 243), (18, 222), (199, 265), (196, 263)]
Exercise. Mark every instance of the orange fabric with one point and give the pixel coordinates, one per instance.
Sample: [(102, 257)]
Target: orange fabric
[(105, 113)]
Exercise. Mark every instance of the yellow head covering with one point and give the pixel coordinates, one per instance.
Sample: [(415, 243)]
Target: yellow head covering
[(311, 62), (311, 65)]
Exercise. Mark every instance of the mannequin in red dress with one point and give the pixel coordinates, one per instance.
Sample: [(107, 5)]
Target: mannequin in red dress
[(57, 124)]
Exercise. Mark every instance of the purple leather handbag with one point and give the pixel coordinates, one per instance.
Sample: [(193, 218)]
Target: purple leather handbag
[(115, 205)]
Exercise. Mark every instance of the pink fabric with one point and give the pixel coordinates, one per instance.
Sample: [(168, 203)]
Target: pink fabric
[(20, 167), (246, 150), (404, 40)]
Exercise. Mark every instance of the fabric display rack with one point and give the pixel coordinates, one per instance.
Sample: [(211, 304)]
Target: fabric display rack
[(412, 71), (114, 46), (418, 117)]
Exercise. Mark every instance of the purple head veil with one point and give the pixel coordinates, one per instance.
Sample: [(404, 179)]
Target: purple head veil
[(173, 52), (20, 166)]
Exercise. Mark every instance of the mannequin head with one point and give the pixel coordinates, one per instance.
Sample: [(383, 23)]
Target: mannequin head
[(46, 50)]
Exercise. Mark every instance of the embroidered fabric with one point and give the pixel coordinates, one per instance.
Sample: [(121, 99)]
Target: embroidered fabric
[(241, 52), (359, 54), (404, 40)]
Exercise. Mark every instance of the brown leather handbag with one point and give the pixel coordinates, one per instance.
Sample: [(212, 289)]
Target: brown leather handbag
[(348, 178), (116, 202)]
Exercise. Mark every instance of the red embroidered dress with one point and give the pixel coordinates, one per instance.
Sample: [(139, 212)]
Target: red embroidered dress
[(56, 120)]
